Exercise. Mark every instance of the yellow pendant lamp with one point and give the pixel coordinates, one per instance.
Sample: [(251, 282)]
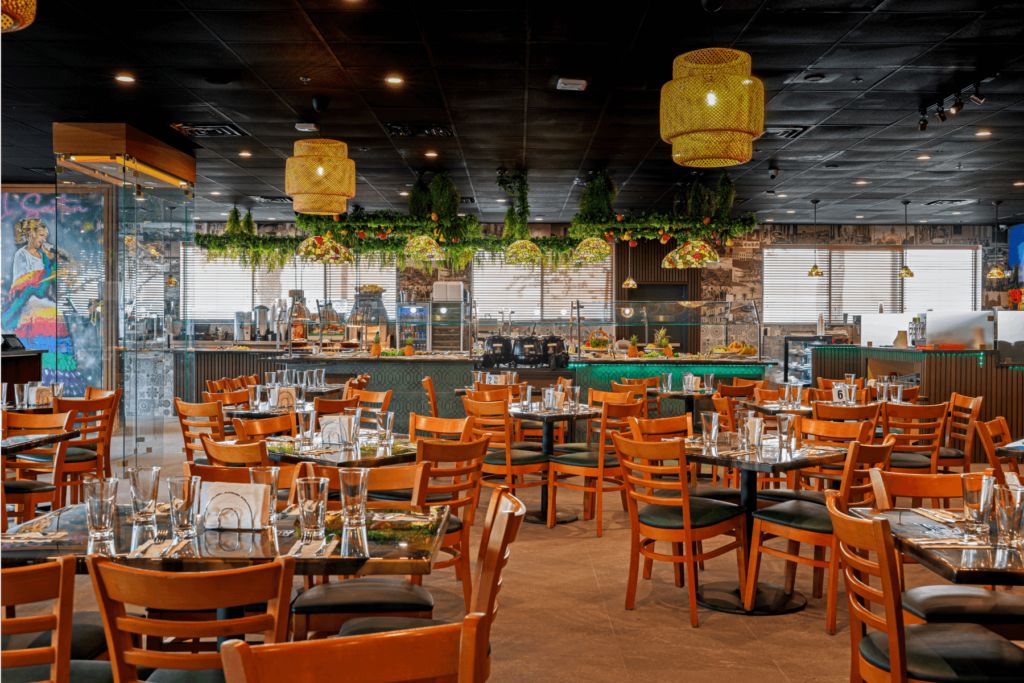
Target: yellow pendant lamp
[(320, 178), (996, 273), (630, 283), (523, 253), (905, 271), (17, 14), (815, 271), (713, 109)]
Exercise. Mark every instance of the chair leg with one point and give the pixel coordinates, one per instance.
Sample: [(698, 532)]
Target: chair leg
[(754, 567), (691, 569), (598, 500), (551, 499), (677, 567), (819, 572), (833, 587), (467, 571), (634, 568), (648, 566), (793, 548), (301, 631), (700, 551), (625, 503)]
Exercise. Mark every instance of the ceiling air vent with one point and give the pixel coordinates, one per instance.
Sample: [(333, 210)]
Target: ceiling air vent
[(949, 202), (220, 130), (468, 200), (419, 130), (272, 200), (786, 132)]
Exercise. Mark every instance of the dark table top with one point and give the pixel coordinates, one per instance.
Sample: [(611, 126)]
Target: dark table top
[(400, 454), (686, 395), (774, 408), (536, 414), (767, 460), (384, 551), (973, 566), (20, 443), (1012, 450), (249, 414)]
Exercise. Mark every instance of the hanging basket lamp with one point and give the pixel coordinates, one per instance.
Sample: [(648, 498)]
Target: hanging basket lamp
[(713, 109), (424, 248), (694, 254), (523, 253), (905, 271), (17, 14), (591, 250), (325, 250), (320, 178)]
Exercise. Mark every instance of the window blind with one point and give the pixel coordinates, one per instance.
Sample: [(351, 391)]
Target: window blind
[(789, 295), (860, 279), (563, 286), (215, 289), (308, 276), (945, 279), (498, 286)]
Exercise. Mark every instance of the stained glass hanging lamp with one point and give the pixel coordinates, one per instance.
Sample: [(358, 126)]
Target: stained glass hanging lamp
[(693, 254), (424, 248), (815, 271), (630, 283), (996, 273), (591, 250), (905, 271)]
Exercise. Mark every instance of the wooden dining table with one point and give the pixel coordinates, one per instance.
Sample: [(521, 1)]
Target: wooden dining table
[(1013, 450)]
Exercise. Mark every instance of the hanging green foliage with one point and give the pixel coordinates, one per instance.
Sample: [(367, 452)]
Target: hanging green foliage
[(234, 226), (517, 217), (419, 198), (726, 196), (248, 224), (597, 202), (703, 202), (444, 199)]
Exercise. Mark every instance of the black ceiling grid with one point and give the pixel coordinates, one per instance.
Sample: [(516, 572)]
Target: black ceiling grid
[(488, 73)]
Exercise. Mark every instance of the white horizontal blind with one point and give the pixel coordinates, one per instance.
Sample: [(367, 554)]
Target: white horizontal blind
[(860, 279), (296, 274), (789, 295), (563, 286), (77, 286), (373, 270), (498, 286), (214, 289), (945, 279)]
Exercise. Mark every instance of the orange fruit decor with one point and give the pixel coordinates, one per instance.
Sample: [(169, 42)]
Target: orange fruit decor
[(320, 178), (433, 216)]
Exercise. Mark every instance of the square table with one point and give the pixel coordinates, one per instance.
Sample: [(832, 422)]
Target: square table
[(727, 596), (401, 453), (983, 565), (772, 408), (19, 443), (1013, 450), (689, 398)]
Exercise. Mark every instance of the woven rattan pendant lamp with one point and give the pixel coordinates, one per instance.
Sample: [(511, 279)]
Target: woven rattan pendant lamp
[(320, 178), (815, 271), (712, 109), (905, 271), (17, 14), (996, 273)]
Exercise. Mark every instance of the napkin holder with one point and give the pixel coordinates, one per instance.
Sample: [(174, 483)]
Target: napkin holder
[(234, 507), (283, 397)]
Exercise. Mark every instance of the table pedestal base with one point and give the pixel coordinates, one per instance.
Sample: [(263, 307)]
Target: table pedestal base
[(541, 517), (725, 596)]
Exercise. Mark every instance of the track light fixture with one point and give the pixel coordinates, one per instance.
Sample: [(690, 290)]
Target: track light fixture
[(977, 97), (940, 113), (922, 123), (958, 105)]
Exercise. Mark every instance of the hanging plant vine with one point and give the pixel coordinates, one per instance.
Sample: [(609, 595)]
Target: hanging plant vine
[(517, 216)]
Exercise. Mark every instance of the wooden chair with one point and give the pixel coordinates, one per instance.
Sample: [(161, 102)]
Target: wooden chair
[(890, 486), (50, 661), (428, 387), (326, 607), (26, 491), (960, 428), (240, 475), (815, 395), (802, 521), (217, 386), (448, 653), (745, 392), (329, 406), (355, 384), (898, 651), (829, 383), (90, 452), (653, 402), (93, 393), (372, 402), (919, 431), (671, 515), (173, 592), (224, 455), (250, 431), (637, 392), (198, 420), (248, 380), (455, 429), (501, 526), (829, 413), (508, 461), (238, 399), (493, 393), (596, 399), (597, 468), (757, 383), (992, 435)]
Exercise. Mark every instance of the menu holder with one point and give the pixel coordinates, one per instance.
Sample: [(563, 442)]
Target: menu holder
[(235, 507), (285, 397)]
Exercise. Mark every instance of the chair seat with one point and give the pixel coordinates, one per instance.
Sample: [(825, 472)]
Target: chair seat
[(963, 605), (576, 447), (205, 462), (454, 524), (88, 639), (519, 457), (585, 459), (73, 455), (703, 512), (798, 514), (81, 672), (26, 486), (950, 653), (405, 495), (909, 461), (723, 493), (785, 495), (520, 445), (372, 594), (364, 626), (184, 676), (950, 453), (531, 424)]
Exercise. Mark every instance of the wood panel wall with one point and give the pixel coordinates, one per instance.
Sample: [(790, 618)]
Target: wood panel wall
[(191, 370), (834, 362), (647, 256)]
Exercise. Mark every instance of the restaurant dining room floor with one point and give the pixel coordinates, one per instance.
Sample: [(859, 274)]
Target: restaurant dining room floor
[(562, 615)]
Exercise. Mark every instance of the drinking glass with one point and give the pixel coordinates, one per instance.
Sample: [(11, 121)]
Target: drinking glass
[(321, 377), (1009, 507), (100, 496), (3, 393), (709, 382), (353, 494), (268, 476), (549, 399), (785, 422), (851, 396), (259, 396), (574, 396), (978, 493), (479, 376), (20, 395), (666, 381), (709, 422), (57, 389), (851, 378), (385, 425), (145, 484), (755, 432), (184, 495), (354, 542), (309, 378), (896, 392), (882, 388), (312, 507), (270, 378)]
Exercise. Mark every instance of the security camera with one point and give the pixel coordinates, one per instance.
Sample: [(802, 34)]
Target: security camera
[(773, 173)]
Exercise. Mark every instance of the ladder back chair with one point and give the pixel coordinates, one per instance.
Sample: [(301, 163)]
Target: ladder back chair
[(919, 431), (961, 426), (198, 420), (508, 461), (26, 491), (95, 419), (993, 435), (428, 387)]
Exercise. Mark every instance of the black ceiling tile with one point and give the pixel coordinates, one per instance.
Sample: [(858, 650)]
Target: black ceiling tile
[(382, 26), (405, 98), (483, 99), (884, 56), (850, 131), (793, 56), (905, 27), (482, 56), (260, 115), (800, 27), (373, 77), (483, 78), (320, 78), (566, 99), (342, 100), (968, 56), (804, 101), (999, 24), (276, 26), (236, 98), (285, 54), (869, 116), (388, 55), (504, 117), (193, 54), (794, 117), (474, 27)]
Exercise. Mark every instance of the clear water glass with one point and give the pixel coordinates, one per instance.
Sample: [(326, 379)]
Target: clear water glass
[(353, 494), (57, 389), (354, 542), (3, 393), (709, 423), (709, 382), (851, 396), (270, 378), (755, 432), (145, 485), (309, 378), (1008, 502), (978, 491), (785, 423), (385, 429), (882, 389), (100, 498), (321, 377), (574, 396), (526, 398), (896, 392), (666, 381), (268, 476), (312, 507), (184, 495), (20, 395)]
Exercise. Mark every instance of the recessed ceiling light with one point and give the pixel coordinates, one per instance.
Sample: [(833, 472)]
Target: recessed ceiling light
[(461, 215), (782, 195), (245, 154), (956, 213), (861, 182), (922, 221), (770, 220), (1018, 184), (791, 212), (539, 218), (124, 79), (215, 193), (404, 194), (924, 156), (858, 216), (393, 79), (431, 154), (502, 201), (223, 214), (983, 133)]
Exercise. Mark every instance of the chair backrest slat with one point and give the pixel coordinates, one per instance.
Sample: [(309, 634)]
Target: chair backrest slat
[(223, 454), (40, 583), (457, 429), (249, 431), (995, 434), (196, 420), (428, 387)]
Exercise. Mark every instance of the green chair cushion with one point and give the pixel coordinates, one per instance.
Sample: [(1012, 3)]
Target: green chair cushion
[(88, 639), (184, 676), (519, 457), (963, 605), (81, 672), (950, 453), (25, 486), (798, 514), (370, 594), (576, 447), (203, 461), (73, 455), (785, 495), (723, 493), (585, 459), (909, 461), (521, 445), (703, 512), (405, 495), (363, 626), (950, 653)]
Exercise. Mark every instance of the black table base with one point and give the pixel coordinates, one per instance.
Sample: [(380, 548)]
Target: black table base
[(547, 441), (726, 596)]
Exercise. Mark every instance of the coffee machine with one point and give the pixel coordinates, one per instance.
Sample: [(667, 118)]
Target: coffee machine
[(243, 326), (261, 324)]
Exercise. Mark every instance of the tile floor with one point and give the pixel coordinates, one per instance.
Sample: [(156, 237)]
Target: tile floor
[(562, 615)]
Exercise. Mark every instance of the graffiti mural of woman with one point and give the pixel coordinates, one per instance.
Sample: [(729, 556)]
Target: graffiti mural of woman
[(30, 310)]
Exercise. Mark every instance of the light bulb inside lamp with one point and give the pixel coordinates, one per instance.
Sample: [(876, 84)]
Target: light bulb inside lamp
[(320, 170), (712, 99)]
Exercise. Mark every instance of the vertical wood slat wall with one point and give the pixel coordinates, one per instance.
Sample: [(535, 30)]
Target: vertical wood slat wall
[(192, 371), (647, 258)]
